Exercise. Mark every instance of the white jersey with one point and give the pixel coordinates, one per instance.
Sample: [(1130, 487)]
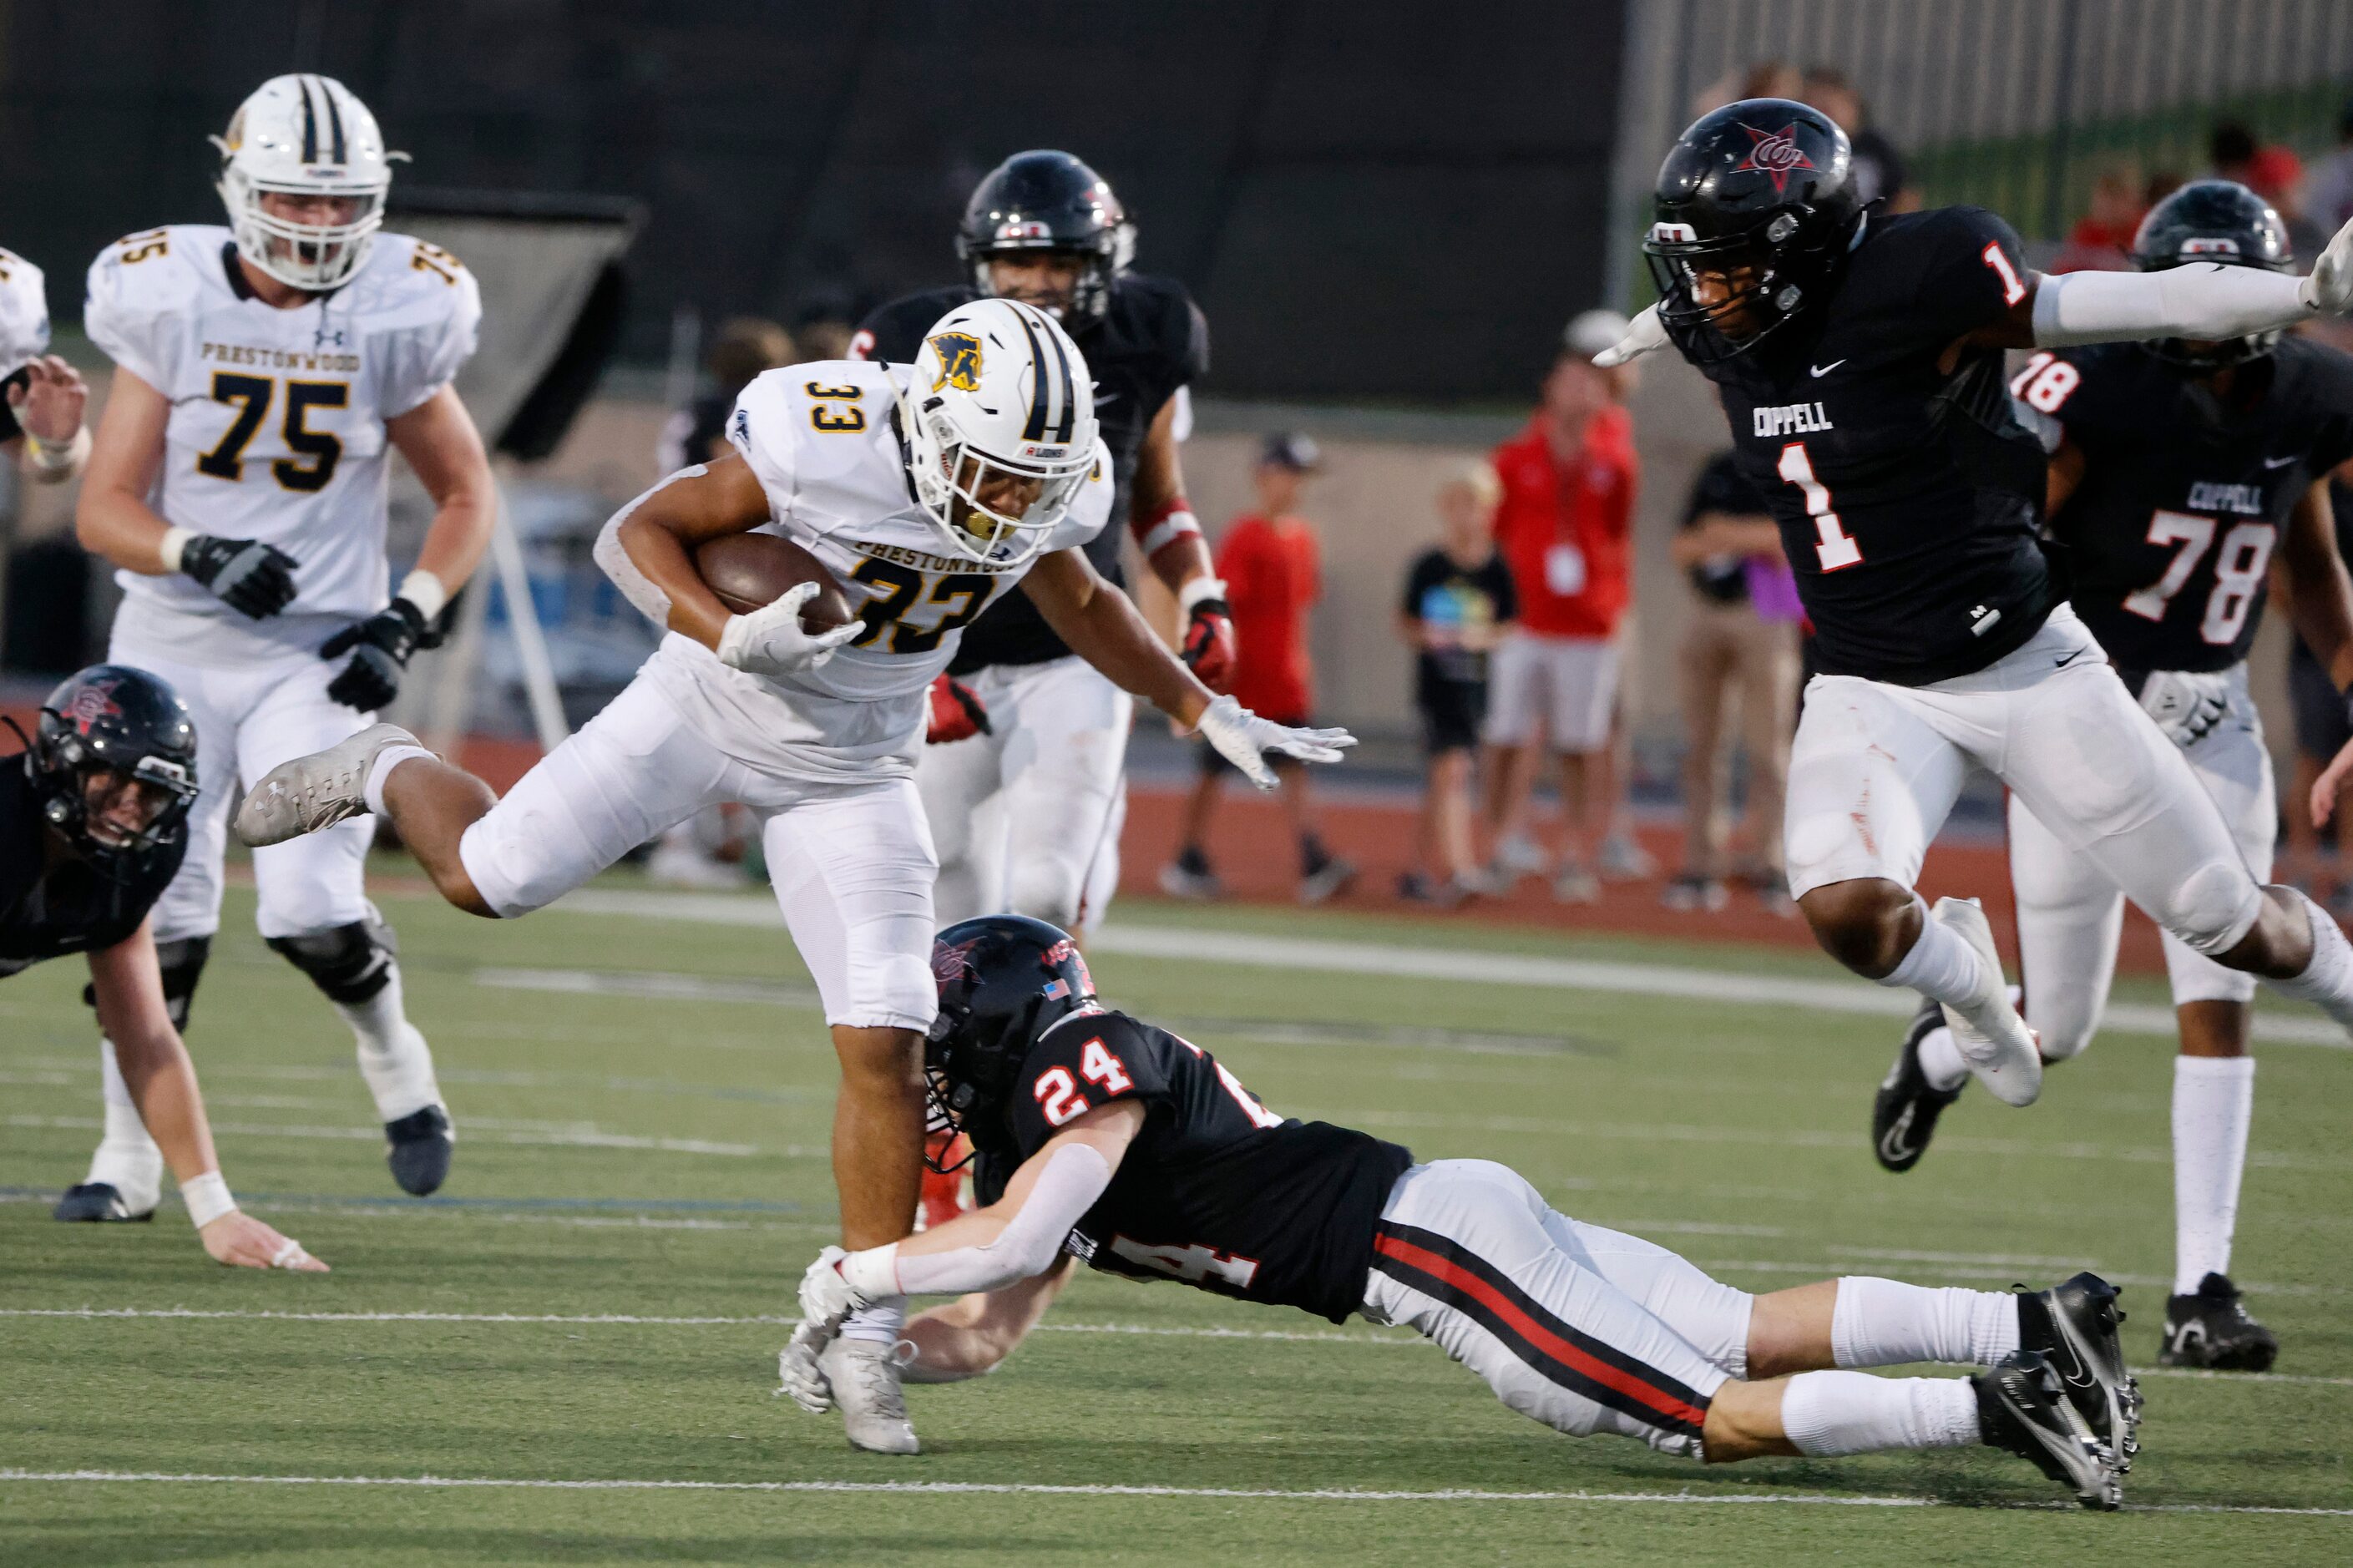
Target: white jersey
[(276, 429), (821, 441), (24, 316)]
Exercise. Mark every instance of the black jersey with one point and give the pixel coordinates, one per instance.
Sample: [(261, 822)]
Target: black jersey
[(1909, 500), (2183, 497), (1151, 341), (48, 911), (1216, 1190)]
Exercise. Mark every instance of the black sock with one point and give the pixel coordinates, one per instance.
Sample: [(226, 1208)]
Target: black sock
[(1312, 856), (1192, 861)]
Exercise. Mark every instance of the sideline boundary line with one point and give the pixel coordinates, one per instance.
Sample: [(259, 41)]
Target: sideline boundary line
[(1042, 1488)]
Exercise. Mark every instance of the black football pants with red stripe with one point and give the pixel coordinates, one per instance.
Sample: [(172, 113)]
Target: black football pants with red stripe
[(1583, 1329)]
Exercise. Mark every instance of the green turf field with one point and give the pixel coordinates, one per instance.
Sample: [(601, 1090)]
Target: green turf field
[(643, 1106)]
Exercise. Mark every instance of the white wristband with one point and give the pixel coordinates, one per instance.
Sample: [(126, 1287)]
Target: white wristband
[(175, 540), (58, 457), (1199, 589), (1175, 526), (872, 1273), (208, 1199), (424, 590)]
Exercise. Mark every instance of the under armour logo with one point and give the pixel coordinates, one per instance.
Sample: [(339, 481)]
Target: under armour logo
[(323, 338)]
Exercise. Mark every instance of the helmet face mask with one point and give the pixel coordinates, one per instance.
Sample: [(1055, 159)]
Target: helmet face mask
[(2217, 223), (1000, 423), (1756, 212), (304, 175), (1042, 204)]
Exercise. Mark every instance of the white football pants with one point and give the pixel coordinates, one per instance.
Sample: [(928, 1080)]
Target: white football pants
[(2070, 916), (851, 863), (1027, 818), (1583, 1329), (1876, 767), (252, 716)]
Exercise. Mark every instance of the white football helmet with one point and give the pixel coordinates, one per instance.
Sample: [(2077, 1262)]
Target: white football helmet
[(305, 136), (999, 419)]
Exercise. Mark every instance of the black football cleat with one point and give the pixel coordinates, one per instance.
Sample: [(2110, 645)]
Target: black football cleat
[(2074, 1325), (1903, 1117), (2023, 1409), (2212, 1330), (417, 1148), (99, 1202)]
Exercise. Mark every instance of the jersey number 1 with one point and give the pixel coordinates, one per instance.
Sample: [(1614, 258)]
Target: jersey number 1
[(1836, 549)]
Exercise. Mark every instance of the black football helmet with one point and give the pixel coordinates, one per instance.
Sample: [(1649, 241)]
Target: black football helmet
[(2217, 221), (1760, 193), (122, 722), (1004, 980), (1049, 201)]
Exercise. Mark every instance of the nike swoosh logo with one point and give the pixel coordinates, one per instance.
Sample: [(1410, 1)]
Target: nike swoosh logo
[(2071, 659), (1826, 369), (2279, 462), (1892, 1146)]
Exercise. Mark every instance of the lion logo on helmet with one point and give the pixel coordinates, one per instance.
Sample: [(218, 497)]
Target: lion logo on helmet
[(959, 355)]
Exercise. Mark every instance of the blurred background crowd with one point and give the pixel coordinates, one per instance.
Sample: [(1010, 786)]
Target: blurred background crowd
[(1536, 588)]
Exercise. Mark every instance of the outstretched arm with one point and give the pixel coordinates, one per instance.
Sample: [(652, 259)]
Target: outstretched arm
[(973, 1334), (128, 987)]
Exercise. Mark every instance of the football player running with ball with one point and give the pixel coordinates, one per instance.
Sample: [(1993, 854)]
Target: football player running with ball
[(1860, 359), (927, 490), (263, 374), (2177, 471), (1105, 1140)]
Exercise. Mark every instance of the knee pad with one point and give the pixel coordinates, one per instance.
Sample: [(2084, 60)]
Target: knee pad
[(349, 963), (183, 964), (2213, 907)]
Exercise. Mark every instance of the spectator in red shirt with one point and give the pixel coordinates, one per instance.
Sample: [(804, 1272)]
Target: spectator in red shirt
[(1564, 526), (1269, 562)]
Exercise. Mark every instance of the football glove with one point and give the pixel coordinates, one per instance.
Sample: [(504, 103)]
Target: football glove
[(798, 1377), (2186, 705), (1642, 334), (825, 1297), (1242, 738), (254, 579), (380, 647), (771, 641), (1210, 645), (952, 712), (2330, 287)]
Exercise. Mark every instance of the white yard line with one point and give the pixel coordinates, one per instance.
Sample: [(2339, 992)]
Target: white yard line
[(1656, 980), (1139, 1330), (1039, 1489)]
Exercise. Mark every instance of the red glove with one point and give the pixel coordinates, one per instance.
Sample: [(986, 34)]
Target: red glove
[(954, 712), (1209, 647)]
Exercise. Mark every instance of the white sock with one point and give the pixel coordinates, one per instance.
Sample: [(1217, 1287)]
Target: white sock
[(1827, 1413), (2327, 980), (1884, 1322), (880, 1322), (2213, 1100), (381, 769), (394, 1057), (127, 1159), (1941, 1062), (1941, 965)]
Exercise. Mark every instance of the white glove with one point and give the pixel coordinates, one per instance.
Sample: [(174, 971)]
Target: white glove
[(1241, 736), (2330, 287), (825, 1297), (771, 641), (1643, 333), (798, 1374), (2186, 706)]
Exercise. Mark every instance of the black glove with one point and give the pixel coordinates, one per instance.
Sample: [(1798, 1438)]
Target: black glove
[(251, 578), (380, 646)]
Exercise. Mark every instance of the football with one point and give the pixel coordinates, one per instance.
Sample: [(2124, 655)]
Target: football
[(751, 571)]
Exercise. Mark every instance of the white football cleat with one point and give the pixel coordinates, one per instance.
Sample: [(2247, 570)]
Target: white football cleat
[(314, 792), (864, 1378), (1993, 1039)]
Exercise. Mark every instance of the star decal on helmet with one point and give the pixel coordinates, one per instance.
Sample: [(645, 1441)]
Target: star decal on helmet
[(1774, 154), (93, 702)]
